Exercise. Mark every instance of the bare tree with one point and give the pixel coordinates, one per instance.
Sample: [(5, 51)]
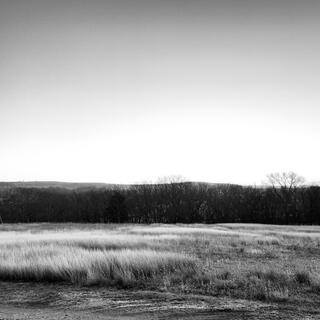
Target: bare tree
[(171, 179), (287, 180), (172, 189), (284, 186)]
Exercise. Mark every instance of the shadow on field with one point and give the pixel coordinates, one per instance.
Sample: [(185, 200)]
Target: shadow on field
[(58, 301)]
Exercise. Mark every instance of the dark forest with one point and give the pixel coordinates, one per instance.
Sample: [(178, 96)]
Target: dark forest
[(282, 201)]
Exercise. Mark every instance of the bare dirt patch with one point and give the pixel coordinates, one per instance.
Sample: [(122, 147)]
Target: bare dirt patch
[(59, 301)]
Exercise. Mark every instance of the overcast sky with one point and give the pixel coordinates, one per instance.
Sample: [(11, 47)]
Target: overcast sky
[(129, 91)]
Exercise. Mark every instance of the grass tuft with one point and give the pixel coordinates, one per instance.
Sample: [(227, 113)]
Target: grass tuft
[(80, 266)]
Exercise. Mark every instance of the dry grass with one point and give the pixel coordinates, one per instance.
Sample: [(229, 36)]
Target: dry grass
[(243, 261), (43, 262), (87, 257)]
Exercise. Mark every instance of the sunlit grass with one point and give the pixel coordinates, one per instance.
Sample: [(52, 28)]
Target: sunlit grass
[(42, 262), (87, 239), (239, 260)]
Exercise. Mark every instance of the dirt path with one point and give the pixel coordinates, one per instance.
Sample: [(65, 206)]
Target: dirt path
[(15, 313), (62, 302)]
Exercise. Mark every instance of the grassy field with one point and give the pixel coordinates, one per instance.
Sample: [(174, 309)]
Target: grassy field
[(252, 262)]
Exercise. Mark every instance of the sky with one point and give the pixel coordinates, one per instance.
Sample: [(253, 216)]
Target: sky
[(127, 91)]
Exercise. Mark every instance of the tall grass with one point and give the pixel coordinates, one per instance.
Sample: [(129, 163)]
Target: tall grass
[(38, 262), (243, 261)]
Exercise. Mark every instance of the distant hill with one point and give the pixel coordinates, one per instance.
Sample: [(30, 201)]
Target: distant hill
[(57, 184), (88, 185)]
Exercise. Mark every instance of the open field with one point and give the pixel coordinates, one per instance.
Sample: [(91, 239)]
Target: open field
[(256, 266)]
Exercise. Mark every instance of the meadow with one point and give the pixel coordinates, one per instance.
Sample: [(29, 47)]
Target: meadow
[(246, 261)]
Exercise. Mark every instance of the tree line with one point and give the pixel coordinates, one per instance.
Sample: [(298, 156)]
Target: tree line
[(283, 200)]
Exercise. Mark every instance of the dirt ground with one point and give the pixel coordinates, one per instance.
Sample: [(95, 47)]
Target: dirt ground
[(52, 301)]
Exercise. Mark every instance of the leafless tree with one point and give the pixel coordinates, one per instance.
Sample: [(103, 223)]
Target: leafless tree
[(284, 185), (287, 180), (171, 179)]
